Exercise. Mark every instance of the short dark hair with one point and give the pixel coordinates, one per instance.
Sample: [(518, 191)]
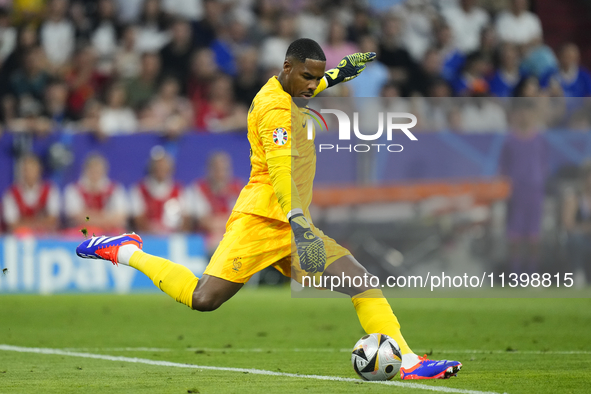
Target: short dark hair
[(305, 48)]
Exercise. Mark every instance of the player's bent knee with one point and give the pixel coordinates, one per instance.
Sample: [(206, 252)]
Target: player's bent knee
[(205, 302)]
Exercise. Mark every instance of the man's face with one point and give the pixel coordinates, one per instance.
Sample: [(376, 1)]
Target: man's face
[(162, 169), (302, 79), (31, 171)]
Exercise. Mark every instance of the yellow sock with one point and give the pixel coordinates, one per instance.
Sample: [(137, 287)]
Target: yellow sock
[(174, 279), (376, 316)]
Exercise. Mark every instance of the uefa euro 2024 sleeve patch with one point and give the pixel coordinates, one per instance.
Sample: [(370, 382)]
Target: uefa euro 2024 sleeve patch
[(280, 136)]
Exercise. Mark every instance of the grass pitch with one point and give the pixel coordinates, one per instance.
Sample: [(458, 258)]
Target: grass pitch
[(506, 345)]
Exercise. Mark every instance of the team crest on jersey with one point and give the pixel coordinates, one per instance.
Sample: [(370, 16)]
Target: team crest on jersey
[(280, 136)]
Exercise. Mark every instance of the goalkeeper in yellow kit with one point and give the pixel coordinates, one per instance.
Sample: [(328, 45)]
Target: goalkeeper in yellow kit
[(273, 206)]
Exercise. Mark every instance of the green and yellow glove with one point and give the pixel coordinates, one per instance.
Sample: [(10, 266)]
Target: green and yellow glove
[(310, 247), (350, 67)]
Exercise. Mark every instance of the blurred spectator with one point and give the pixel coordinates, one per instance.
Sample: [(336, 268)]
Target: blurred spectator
[(32, 79), (152, 34), (528, 86), (221, 112), (84, 81), (169, 112), (375, 75), (203, 71), (90, 121), (105, 33), (312, 23), (489, 47), (336, 47), (7, 35), (273, 49), (452, 60), (359, 27), (129, 10), (574, 79), (551, 106), (141, 88), (210, 200), (418, 32), (539, 61), (391, 51), (519, 26), (440, 88), (128, 61), (176, 55), (524, 162), (57, 33), (189, 9), (83, 26), (576, 220), (56, 105), (467, 22), (472, 81), (156, 200), (247, 82), (31, 205), (26, 40), (116, 118), (229, 43), (424, 76), (481, 115), (204, 30), (266, 12), (97, 198), (507, 75), (437, 106)]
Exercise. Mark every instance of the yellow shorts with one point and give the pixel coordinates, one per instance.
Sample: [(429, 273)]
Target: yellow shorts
[(252, 243)]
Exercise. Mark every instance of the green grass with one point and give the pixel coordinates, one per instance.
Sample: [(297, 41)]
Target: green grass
[(271, 320)]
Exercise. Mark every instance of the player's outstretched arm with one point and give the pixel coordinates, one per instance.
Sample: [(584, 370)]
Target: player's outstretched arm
[(350, 67)]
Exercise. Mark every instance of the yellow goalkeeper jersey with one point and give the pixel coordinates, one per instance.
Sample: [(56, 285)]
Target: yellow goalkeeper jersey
[(276, 127)]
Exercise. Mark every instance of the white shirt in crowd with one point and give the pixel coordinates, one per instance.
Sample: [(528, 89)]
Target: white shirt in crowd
[(118, 121), (151, 39), (129, 10), (518, 29), (173, 209), (74, 203), (7, 42), (466, 27), (188, 9), (272, 52), (30, 196), (312, 26), (57, 39), (195, 204)]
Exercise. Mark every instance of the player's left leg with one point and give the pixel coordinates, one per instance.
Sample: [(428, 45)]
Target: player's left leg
[(376, 316), (173, 279)]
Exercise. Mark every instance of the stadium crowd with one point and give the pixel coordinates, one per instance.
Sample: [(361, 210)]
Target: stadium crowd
[(171, 66), (157, 204)]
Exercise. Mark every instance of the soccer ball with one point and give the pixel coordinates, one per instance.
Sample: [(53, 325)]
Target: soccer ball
[(376, 357)]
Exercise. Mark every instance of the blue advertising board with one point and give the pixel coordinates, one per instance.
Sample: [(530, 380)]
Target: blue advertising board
[(50, 265)]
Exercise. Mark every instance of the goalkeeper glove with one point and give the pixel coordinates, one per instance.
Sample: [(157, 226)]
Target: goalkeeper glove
[(309, 246), (349, 68)]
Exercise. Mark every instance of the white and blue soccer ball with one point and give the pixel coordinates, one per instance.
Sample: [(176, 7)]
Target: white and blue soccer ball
[(376, 357)]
